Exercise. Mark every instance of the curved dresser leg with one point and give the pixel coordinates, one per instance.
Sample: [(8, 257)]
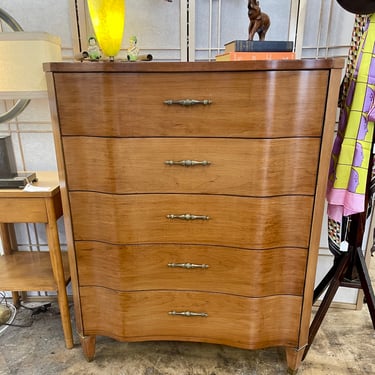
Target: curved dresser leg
[(88, 346), (293, 358)]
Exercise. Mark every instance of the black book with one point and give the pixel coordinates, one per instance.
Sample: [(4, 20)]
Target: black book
[(259, 46)]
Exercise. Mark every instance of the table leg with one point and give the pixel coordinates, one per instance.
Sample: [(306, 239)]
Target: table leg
[(58, 272), (8, 239)]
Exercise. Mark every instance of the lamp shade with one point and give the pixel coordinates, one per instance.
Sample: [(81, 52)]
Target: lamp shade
[(21, 57)]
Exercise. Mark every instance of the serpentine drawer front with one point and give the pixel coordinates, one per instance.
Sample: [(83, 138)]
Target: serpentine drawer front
[(220, 166), (193, 316), (198, 219), (235, 104), (192, 267), (193, 196)]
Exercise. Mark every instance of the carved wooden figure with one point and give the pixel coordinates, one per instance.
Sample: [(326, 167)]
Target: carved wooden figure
[(259, 21)]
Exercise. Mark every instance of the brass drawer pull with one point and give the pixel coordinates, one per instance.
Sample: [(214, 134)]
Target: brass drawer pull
[(187, 163), (188, 102), (187, 265), (188, 217), (188, 313)]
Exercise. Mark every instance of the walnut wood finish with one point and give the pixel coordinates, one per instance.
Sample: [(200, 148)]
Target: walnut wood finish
[(267, 134)]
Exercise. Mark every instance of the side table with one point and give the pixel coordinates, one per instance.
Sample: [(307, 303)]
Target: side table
[(35, 270)]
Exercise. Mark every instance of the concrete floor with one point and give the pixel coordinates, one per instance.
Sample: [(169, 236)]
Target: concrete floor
[(345, 345)]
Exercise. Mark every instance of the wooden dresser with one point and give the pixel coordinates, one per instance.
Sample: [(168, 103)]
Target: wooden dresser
[(193, 196)]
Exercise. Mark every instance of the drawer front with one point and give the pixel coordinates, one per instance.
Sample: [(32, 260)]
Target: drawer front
[(186, 267), (237, 166), (231, 320), (132, 104), (253, 223), (12, 210)]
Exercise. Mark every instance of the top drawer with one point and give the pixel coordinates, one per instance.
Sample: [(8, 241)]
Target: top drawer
[(133, 104)]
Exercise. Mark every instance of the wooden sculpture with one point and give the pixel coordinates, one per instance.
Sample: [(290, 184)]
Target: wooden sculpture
[(259, 21)]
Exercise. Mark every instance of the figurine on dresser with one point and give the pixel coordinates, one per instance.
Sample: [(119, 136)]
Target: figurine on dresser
[(133, 49), (93, 49), (259, 21)]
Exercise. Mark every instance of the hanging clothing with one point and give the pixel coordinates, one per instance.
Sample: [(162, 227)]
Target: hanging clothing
[(352, 149)]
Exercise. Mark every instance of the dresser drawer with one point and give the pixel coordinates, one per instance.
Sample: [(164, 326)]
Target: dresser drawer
[(133, 104), (231, 320), (192, 267), (253, 223), (12, 210), (237, 166)]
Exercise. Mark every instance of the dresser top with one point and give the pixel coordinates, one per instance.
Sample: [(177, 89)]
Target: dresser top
[(113, 67)]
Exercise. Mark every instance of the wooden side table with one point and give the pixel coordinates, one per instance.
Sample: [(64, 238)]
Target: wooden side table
[(35, 271)]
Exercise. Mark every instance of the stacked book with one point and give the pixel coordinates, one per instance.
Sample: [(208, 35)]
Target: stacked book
[(240, 50)]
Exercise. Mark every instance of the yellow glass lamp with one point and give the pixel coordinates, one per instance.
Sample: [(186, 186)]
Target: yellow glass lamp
[(108, 20)]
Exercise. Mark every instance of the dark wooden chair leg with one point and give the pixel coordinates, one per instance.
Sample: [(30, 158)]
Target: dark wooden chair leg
[(326, 302), (366, 283), (323, 285)]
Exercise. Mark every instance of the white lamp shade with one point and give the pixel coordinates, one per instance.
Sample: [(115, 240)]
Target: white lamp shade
[(22, 55)]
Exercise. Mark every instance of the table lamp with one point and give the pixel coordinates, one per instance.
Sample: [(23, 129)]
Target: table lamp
[(22, 55), (108, 20)]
